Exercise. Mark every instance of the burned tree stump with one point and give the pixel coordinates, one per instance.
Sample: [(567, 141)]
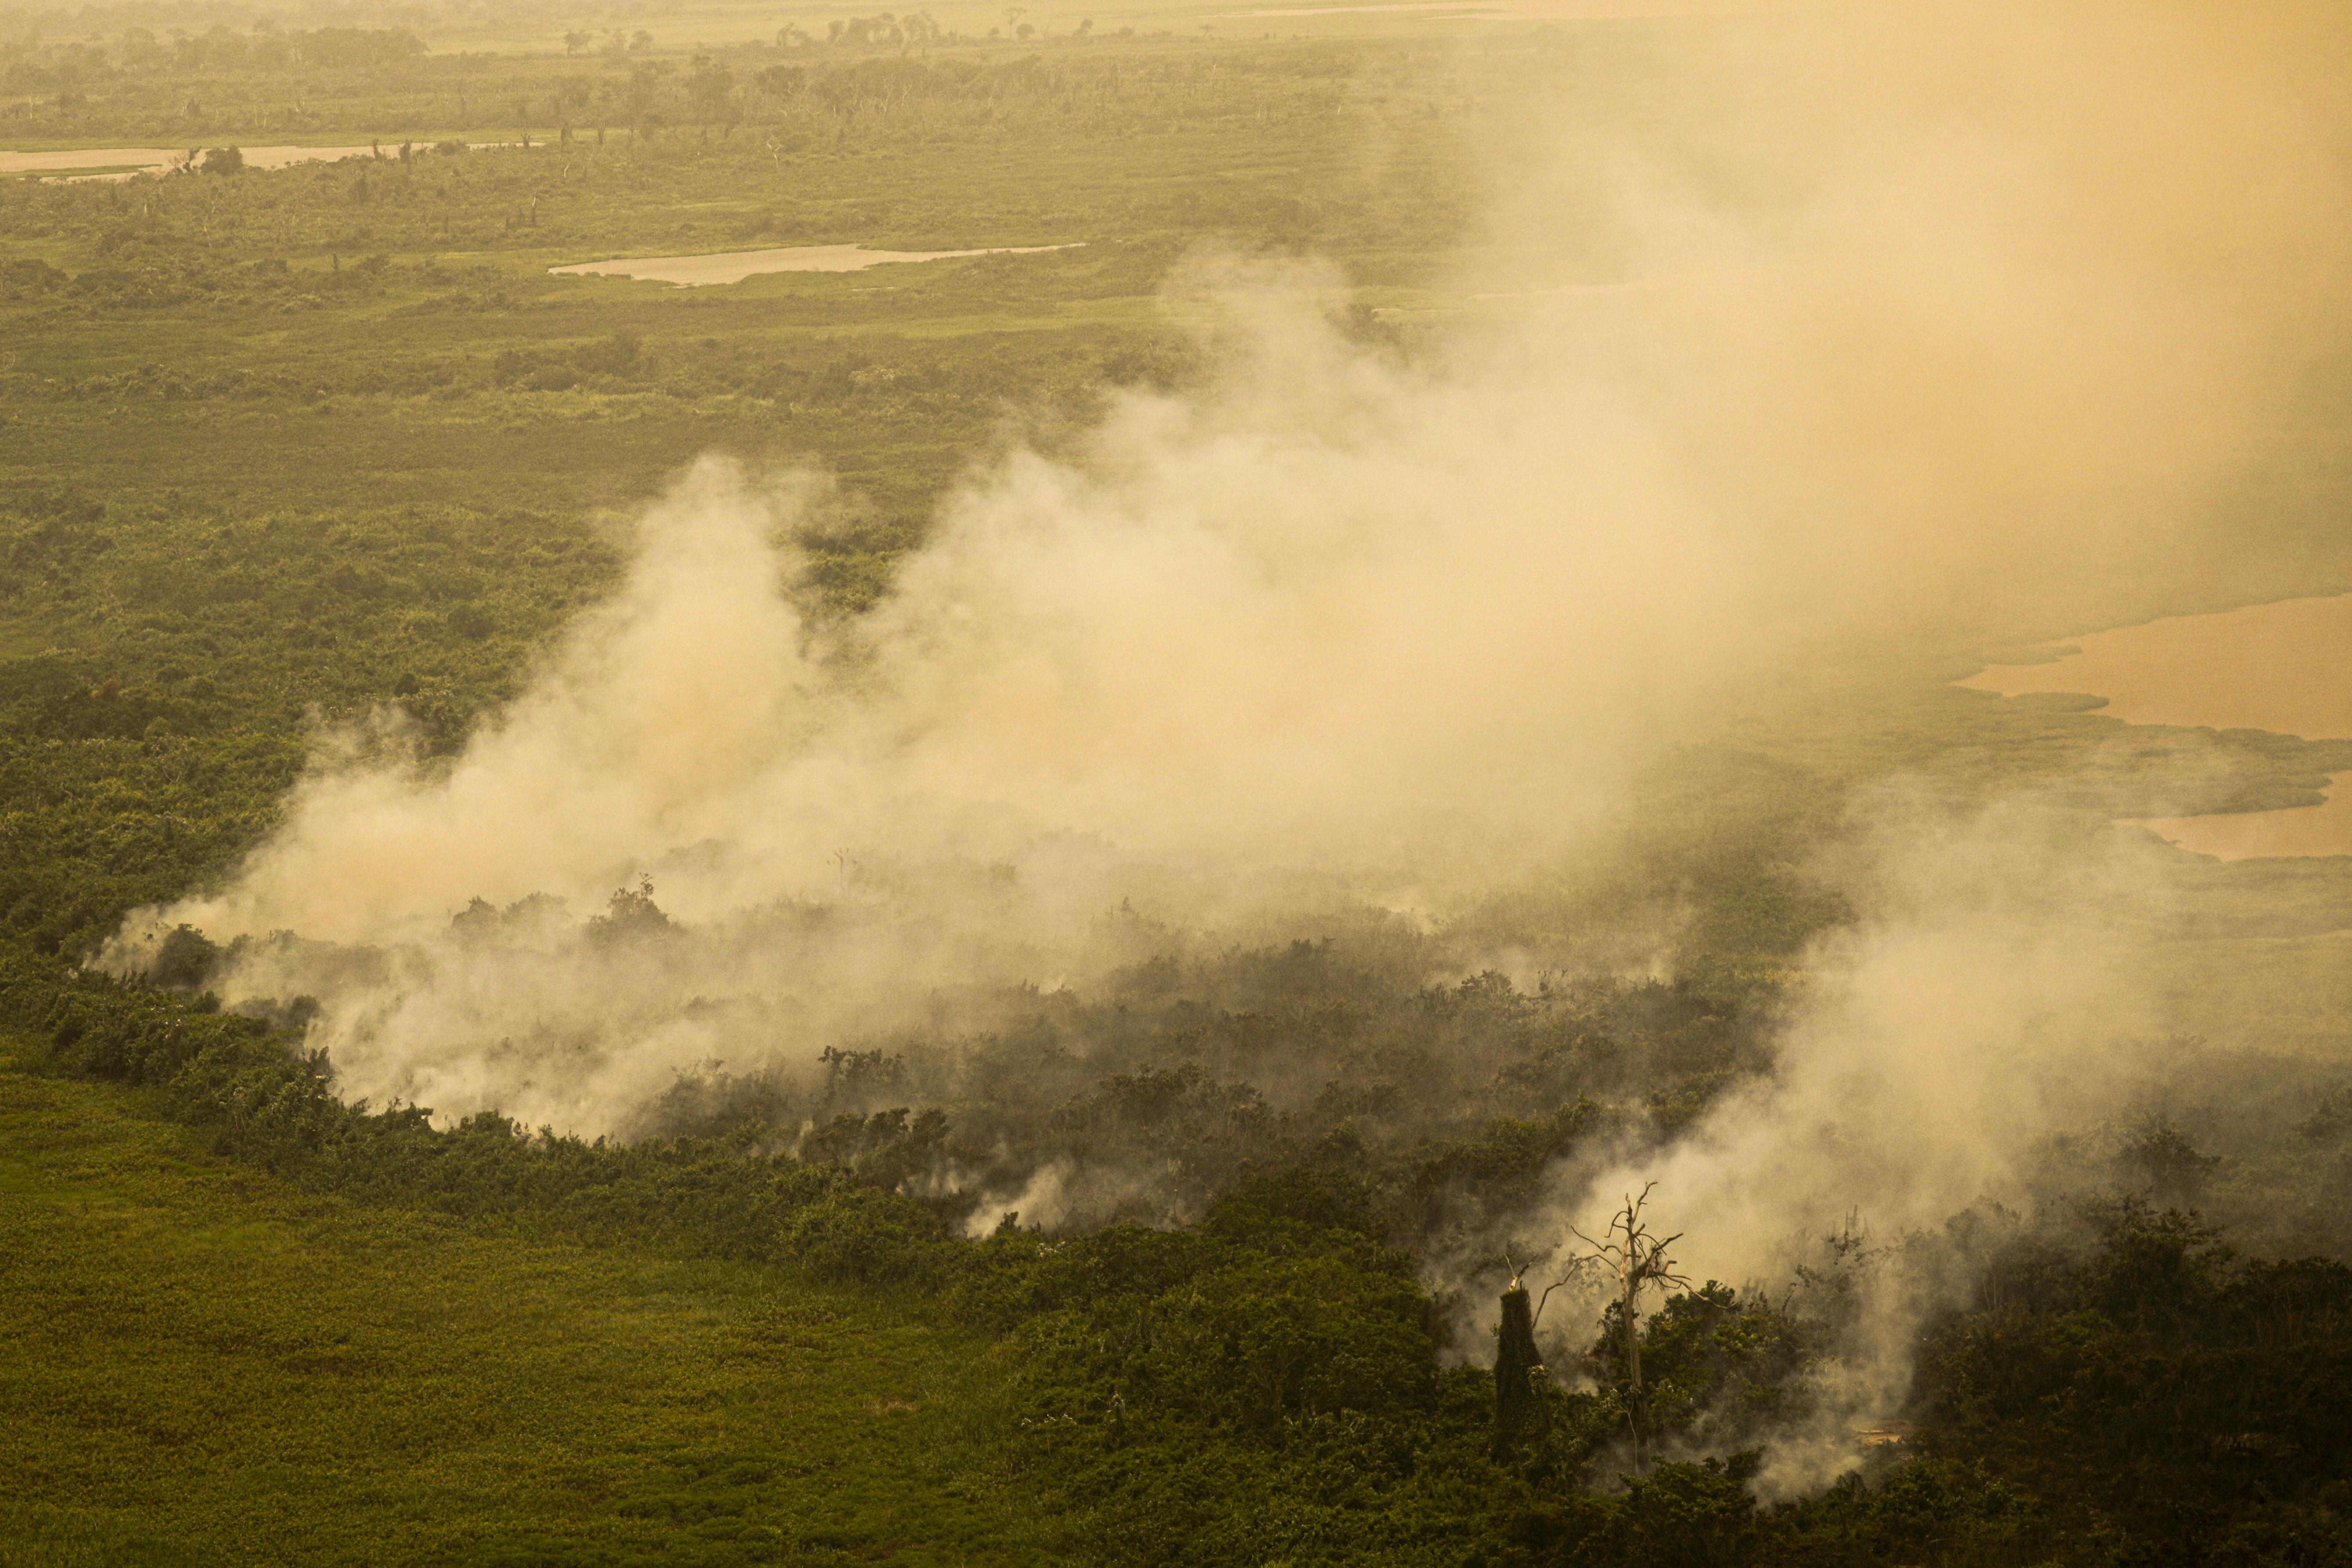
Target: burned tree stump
[(1521, 1414)]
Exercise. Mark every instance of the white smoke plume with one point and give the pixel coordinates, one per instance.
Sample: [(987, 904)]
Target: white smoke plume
[(1996, 990), (1929, 327)]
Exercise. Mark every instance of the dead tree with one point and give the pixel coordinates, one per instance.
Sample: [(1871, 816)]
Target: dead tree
[(1636, 1260), (1520, 1414)]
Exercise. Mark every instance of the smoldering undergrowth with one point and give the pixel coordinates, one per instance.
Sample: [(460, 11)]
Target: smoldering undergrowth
[(1138, 831)]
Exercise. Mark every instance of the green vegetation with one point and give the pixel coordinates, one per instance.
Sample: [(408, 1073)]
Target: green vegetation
[(1176, 1395), (207, 1365), (279, 448), (331, 437)]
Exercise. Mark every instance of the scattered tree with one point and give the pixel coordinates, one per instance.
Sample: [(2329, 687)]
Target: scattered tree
[(1636, 1260)]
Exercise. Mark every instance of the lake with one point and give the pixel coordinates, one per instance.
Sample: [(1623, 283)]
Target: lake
[(734, 266), (2283, 666), (126, 161)]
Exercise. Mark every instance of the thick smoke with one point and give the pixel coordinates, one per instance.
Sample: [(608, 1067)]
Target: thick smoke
[(1826, 347), (1996, 990)]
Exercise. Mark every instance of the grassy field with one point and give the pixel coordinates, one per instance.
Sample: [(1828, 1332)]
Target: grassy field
[(205, 1366)]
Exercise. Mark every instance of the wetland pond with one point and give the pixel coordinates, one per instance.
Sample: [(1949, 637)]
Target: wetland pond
[(2285, 667), (73, 163), (734, 266)]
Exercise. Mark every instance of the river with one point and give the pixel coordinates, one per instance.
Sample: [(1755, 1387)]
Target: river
[(2284, 667)]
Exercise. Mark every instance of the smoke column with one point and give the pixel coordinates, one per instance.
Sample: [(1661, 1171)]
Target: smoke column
[(1922, 327)]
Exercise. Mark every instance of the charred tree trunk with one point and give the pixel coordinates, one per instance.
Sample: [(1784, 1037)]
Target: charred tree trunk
[(1520, 1416)]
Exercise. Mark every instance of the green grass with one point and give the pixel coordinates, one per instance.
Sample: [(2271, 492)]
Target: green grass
[(206, 1365)]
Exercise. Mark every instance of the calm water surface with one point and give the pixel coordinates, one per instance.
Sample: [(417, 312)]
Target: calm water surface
[(127, 161), (734, 266), (2285, 667)]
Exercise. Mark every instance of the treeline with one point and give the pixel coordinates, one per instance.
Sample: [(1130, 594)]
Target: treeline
[(869, 76), (1154, 1085), (139, 52), (1147, 1090), (2113, 1382)]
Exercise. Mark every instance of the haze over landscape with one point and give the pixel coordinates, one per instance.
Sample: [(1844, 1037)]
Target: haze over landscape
[(1364, 653)]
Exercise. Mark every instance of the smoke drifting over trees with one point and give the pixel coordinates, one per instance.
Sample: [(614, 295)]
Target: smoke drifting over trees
[(1332, 766)]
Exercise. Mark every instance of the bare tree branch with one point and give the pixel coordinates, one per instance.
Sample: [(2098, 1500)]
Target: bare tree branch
[(1640, 1261)]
